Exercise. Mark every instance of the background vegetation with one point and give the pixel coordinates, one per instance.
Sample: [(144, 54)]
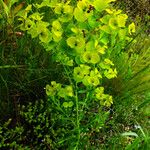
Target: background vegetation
[(26, 68)]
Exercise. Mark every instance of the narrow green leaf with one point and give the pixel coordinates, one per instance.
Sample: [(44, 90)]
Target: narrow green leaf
[(129, 134)]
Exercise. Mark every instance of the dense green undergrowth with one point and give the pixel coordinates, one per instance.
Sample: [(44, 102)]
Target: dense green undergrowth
[(73, 75)]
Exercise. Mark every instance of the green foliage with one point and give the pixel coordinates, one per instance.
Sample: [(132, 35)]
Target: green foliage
[(11, 138), (9, 13), (23, 64), (137, 140), (88, 43), (40, 123), (82, 39), (136, 9), (131, 104)]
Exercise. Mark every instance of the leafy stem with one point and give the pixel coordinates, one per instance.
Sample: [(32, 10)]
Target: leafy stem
[(77, 118)]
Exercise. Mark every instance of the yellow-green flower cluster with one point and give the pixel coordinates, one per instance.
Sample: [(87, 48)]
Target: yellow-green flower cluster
[(92, 53), (101, 49), (93, 45), (101, 5), (45, 35), (68, 104), (64, 11), (56, 89), (81, 11), (115, 22), (105, 99), (108, 71), (66, 92), (36, 27), (114, 19), (56, 30), (86, 76), (131, 28), (64, 59), (91, 57), (80, 72), (52, 89), (77, 43)]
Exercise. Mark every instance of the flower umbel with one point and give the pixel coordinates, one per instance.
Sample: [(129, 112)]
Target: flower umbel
[(76, 43), (78, 74), (110, 73), (91, 57)]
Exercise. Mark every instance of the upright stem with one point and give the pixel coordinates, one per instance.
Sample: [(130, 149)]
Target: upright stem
[(77, 118)]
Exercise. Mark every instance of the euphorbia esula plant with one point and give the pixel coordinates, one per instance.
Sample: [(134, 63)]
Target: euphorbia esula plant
[(81, 35)]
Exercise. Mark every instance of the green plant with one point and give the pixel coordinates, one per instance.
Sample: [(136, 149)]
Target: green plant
[(135, 8), (24, 65), (11, 138), (131, 86), (39, 122), (82, 38), (94, 97), (8, 14), (132, 82), (135, 141)]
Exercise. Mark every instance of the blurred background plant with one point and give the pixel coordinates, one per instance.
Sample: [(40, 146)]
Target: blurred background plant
[(135, 8), (132, 86), (25, 67)]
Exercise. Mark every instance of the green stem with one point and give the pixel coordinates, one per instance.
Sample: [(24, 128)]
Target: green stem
[(11, 66), (61, 110), (87, 96), (5, 83), (67, 72), (77, 119)]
